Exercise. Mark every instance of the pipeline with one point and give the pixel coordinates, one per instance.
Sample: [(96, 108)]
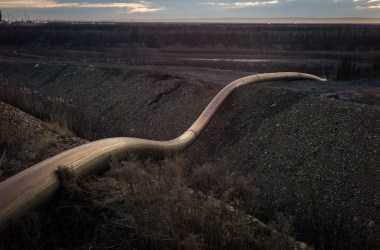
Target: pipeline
[(32, 187)]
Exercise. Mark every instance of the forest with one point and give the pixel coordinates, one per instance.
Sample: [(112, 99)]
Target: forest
[(181, 35)]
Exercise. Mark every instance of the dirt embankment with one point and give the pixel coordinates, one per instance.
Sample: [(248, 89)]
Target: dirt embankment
[(313, 152), (25, 140), (311, 147), (130, 101)]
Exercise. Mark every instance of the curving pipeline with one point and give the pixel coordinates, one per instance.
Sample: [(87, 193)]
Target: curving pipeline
[(35, 185)]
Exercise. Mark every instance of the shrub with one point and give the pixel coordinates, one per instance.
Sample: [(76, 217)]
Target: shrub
[(62, 130), (348, 69), (147, 205)]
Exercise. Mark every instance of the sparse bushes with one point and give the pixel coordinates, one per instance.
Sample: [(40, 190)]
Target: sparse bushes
[(158, 195), (62, 130), (149, 205), (348, 69), (63, 116), (27, 140), (45, 143), (232, 188), (185, 35), (351, 68), (2, 161), (376, 64)]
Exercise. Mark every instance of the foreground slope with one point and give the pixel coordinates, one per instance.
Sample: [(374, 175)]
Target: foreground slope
[(161, 205), (317, 159)]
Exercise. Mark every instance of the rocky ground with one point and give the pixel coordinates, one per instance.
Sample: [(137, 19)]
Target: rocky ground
[(320, 159), (26, 140), (313, 154), (103, 212), (312, 147)]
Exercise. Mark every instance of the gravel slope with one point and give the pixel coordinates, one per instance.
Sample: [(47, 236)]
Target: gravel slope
[(313, 155), (313, 148), (320, 161), (29, 140)]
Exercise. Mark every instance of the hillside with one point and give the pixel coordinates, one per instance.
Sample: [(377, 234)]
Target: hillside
[(310, 148), (149, 204)]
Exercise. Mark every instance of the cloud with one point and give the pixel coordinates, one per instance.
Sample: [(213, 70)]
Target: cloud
[(361, 7), (367, 4), (239, 5), (367, 1), (138, 7), (141, 9), (160, 9)]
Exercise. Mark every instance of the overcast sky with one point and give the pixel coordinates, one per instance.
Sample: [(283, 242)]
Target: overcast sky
[(171, 9)]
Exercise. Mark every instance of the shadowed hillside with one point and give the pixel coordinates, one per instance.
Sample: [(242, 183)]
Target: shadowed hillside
[(308, 149)]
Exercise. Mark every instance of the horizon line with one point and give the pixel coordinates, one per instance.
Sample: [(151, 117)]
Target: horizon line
[(237, 20)]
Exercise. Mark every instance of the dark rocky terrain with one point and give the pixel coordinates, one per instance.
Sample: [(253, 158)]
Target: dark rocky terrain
[(312, 148)]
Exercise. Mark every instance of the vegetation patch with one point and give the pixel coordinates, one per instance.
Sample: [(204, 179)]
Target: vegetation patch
[(151, 205)]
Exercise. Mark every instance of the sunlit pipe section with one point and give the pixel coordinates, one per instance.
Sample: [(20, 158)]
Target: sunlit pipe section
[(35, 185)]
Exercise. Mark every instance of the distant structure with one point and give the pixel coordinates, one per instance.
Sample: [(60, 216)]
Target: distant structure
[(1, 17)]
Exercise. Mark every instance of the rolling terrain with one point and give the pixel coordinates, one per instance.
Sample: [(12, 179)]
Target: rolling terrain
[(311, 148)]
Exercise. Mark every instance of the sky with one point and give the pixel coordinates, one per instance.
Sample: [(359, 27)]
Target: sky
[(95, 10)]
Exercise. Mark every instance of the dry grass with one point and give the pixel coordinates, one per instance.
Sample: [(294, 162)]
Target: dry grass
[(146, 205), (150, 205), (2, 161), (62, 130), (44, 143), (62, 115)]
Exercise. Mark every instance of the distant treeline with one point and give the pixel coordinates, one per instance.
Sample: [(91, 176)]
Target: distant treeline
[(230, 36)]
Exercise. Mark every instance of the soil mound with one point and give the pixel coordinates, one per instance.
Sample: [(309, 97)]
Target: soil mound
[(319, 161)]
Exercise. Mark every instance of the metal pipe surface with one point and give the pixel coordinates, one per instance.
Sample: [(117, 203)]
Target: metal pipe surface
[(30, 188)]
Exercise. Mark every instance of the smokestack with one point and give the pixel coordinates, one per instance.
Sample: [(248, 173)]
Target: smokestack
[(1, 17)]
